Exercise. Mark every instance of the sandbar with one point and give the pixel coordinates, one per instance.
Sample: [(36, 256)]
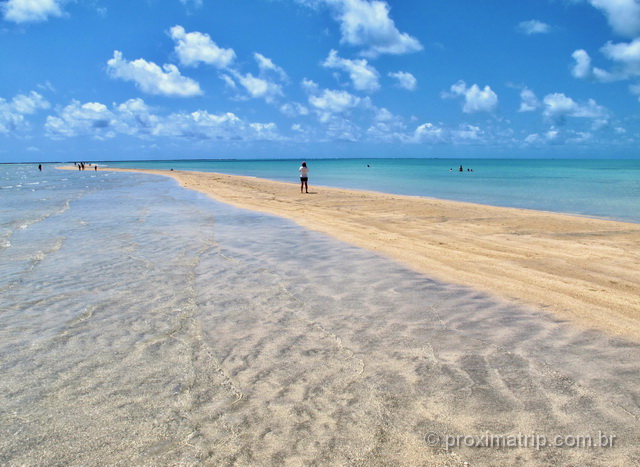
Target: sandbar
[(580, 269)]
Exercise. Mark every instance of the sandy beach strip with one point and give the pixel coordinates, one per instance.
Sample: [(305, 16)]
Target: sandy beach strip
[(580, 269)]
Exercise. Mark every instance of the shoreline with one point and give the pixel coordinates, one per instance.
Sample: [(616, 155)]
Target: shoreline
[(580, 269)]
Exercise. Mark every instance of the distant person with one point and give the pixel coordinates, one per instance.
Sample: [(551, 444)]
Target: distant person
[(95, 167), (40, 167), (304, 177), (460, 168)]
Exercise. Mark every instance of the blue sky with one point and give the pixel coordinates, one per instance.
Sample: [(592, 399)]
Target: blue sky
[(170, 79)]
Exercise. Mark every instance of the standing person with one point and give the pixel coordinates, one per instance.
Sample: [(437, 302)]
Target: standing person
[(40, 167), (304, 178)]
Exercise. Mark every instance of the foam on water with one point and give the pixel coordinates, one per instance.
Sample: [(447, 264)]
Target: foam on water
[(143, 323)]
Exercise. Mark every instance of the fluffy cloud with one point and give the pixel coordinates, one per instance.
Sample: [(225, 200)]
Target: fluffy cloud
[(367, 24), (294, 109), (226, 126), (582, 67), (259, 88), (556, 137), (263, 86), (194, 48), (28, 104), (12, 114), (135, 118), (333, 102), (364, 76), (267, 67), (30, 11), (533, 27), (91, 118), (433, 134), (528, 101), (625, 57), (405, 80), (152, 79), (328, 104), (623, 15), (429, 133), (558, 106), (475, 99)]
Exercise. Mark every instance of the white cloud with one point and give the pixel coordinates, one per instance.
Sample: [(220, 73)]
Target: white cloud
[(135, 118), (367, 24), (582, 67), (76, 119), (294, 109), (467, 133), (558, 106), (528, 101), (263, 86), (225, 126), (194, 48), (267, 67), (310, 86), (334, 101), (533, 27), (228, 81), (259, 88), (331, 102), (31, 11), (623, 15), (626, 58), (475, 99), (384, 115), (152, 79), (364, 76), (28, 104), (12, 114), (405, 80), (429, 133), (549, 137), (556, 137), (338, 128), (433, 134)]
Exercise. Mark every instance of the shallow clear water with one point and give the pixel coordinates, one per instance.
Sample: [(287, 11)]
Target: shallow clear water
[(142, 323), (599, 188)]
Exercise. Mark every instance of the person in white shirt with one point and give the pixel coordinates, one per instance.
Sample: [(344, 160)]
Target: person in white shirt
[(304, 172)]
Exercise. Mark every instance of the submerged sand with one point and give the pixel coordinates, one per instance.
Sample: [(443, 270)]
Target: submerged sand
[(581, 269), (294, 349)]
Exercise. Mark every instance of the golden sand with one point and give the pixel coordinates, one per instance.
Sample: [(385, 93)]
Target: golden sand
[(581, 269)]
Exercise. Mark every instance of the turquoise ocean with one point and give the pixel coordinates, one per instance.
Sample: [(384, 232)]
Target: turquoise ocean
[(600, 188), (142, 323)]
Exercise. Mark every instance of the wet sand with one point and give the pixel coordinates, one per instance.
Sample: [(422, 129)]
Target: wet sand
[(580, 269)]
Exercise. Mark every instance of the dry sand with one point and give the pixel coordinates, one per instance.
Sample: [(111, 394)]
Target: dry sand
[(581, 269)]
